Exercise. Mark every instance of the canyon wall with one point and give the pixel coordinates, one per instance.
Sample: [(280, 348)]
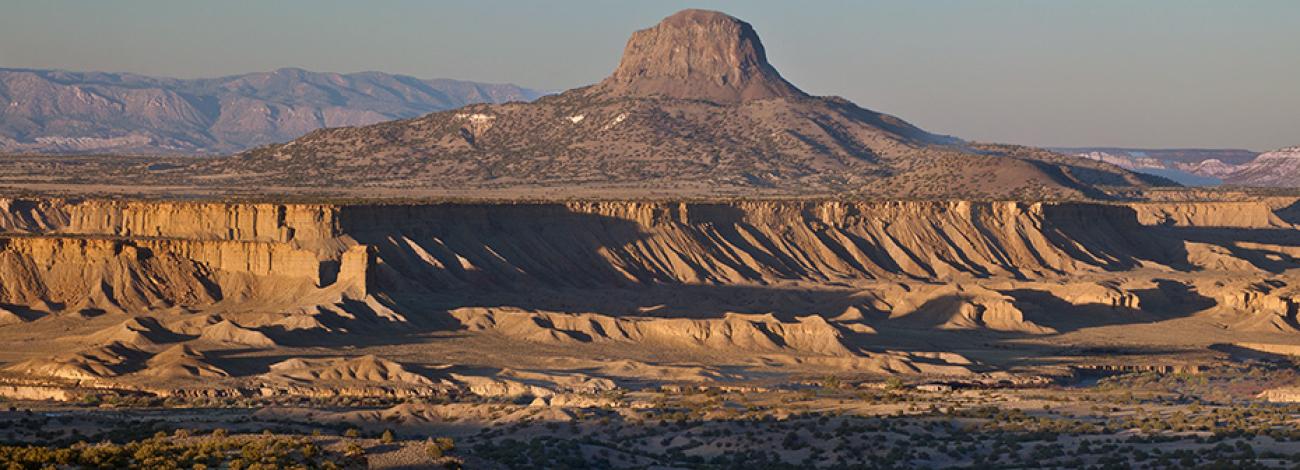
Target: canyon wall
[(1268, 213), (141, 254), (289, 223), (612, 244), (133, 255)]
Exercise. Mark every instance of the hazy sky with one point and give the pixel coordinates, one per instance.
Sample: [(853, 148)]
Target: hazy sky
[(1175, 73)]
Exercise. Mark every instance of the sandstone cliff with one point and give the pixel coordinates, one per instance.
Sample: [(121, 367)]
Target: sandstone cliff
[(183, 247), (797, 283)]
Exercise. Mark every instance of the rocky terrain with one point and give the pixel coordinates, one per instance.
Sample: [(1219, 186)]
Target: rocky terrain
[(152, 296), (59, 112)]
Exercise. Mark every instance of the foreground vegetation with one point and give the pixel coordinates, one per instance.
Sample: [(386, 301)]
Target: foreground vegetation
[(1212, 419), (181, 451)]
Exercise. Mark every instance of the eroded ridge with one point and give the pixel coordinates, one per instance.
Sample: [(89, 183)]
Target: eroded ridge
[(197, 298)]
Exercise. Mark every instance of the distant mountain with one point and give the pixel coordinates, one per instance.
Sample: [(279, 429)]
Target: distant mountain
[(1192, 167), (50, 111), (693, 106), (1279, 168), (1167, 156), (1203, 167)]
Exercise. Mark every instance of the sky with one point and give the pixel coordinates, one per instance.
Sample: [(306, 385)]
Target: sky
[(1141, 73)]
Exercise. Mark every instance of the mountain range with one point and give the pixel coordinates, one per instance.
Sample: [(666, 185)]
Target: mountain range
[(60, 112), (1205, 167), (1278, 168)]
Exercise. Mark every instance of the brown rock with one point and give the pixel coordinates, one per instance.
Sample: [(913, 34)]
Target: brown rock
[(697, 54)]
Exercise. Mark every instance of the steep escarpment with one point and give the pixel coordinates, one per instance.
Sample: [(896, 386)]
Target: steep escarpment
[(296, 223), (168, 291), (439, 247), (83, 274), (611, 244), (1268, 213), (128, 256)]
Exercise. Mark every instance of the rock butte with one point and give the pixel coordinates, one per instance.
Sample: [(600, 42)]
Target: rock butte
[(697, 54), (693, 109)]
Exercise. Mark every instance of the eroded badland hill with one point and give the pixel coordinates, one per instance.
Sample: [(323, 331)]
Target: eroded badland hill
[(989, 306), (150, 295)]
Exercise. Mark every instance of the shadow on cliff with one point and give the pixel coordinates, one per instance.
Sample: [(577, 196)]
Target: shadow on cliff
[(488, 248), (1119, 242), (1111, 238), (1255, 246), (1239, 353), (23, 313), (1289, 214), (552, 257), (1167, 300)]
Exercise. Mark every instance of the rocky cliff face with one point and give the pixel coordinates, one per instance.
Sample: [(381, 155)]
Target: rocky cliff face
[(84, 275), (195, 221), (747, 243), (144, 288), (697, 54), (433, 248), (122, 255), (48, 111)]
